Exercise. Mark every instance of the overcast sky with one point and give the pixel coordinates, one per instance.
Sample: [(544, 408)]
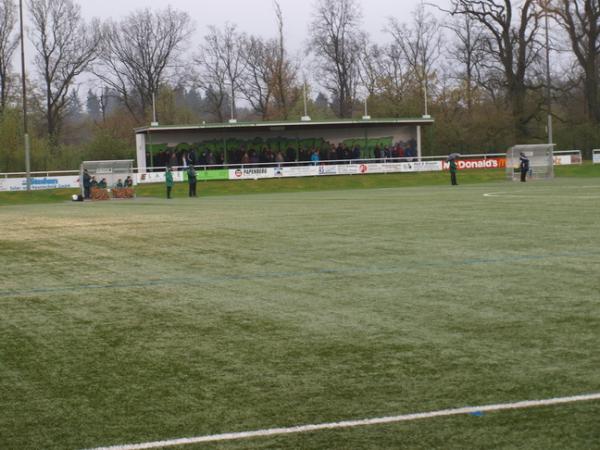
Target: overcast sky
[(257, 16)]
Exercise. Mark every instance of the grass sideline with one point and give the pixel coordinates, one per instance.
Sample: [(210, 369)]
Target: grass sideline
[(127, 322), (307, 184)]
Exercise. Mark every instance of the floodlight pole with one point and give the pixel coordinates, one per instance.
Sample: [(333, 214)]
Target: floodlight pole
[(153, 107), (24, 85), (548, 89), (233, 119), (304, 98), (425, 110)]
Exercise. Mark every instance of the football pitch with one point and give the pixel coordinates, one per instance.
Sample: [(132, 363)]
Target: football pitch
[(129, 322)]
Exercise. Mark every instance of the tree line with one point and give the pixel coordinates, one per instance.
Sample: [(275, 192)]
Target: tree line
[(479, 67)]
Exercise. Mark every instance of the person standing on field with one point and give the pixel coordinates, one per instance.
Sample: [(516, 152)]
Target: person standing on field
[(87, 184), (169, 181), (524, 166), (453, 168), (191, 173)]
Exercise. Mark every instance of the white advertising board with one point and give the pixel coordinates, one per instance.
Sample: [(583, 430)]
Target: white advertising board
[(297, 171), (252, 173), (562, 160), (422, 166), (39, 183), (426, 166), (596, 158), (156, 177)]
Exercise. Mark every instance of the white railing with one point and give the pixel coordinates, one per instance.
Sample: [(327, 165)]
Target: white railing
[(576, 158)]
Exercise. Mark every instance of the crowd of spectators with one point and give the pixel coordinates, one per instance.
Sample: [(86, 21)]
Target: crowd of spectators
[(264, 155)]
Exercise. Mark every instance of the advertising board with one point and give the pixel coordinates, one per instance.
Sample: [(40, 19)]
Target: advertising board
[(39, 183), (251, 173), (477, 163)]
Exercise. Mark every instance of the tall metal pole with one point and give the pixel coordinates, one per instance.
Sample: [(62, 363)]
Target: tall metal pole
[(233, 119), (24, 84), (548, 89), (425, 111), (153, 108), (304, 98)]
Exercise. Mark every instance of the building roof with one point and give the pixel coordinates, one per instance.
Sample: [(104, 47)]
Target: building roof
[(282, 125)]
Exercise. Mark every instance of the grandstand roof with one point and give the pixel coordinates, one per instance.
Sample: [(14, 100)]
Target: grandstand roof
[(282, 125)]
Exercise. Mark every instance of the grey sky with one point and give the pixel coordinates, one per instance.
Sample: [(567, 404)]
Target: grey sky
[(257, 16)]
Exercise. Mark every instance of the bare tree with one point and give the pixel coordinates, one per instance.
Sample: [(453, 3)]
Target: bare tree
[(371, 71), (221, 64), (258, 80), (285, 69), (8, 44), (399, 80), (140, 53), (269, 75), (469, 52), (511, 43), (581, 21), (419, 43), (335, 40), (64, 48)]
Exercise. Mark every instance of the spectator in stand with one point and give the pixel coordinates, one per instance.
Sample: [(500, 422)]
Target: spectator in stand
[(119, 184), (192, 157), (339, 152), (400, 151), (220, 159), (314, 157), (128, 181), (376, 152), (269, 156), (210, 159), (245, 158), (290, 154), (173, 159), (169, 181), (347, 153), (331, 155), (102, 183), (279, 159), (356, 152), (93, 182)]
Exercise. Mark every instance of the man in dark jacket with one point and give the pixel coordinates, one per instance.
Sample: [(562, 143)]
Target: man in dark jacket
[(87, 184), (191, 173), (453, 168), (524, 166), (169, 181)]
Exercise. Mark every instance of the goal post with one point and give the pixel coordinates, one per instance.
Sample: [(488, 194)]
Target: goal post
[(109, 179), (541, 161)]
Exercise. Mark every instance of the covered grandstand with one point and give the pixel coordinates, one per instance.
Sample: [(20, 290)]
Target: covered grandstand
[(224, 142)]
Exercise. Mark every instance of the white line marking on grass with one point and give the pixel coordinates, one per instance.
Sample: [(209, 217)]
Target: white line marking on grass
[(353, 423), (538, 194)]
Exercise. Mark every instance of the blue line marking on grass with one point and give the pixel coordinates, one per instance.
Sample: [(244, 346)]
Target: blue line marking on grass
[(201, 280)]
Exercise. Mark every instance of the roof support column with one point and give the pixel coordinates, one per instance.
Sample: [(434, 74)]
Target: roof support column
[(140, 145), (419, 142)]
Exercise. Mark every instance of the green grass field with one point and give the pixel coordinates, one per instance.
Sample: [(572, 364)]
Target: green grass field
[(135, 321)]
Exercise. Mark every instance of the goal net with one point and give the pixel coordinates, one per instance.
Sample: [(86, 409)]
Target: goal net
[(108, 179), (541, 161)]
